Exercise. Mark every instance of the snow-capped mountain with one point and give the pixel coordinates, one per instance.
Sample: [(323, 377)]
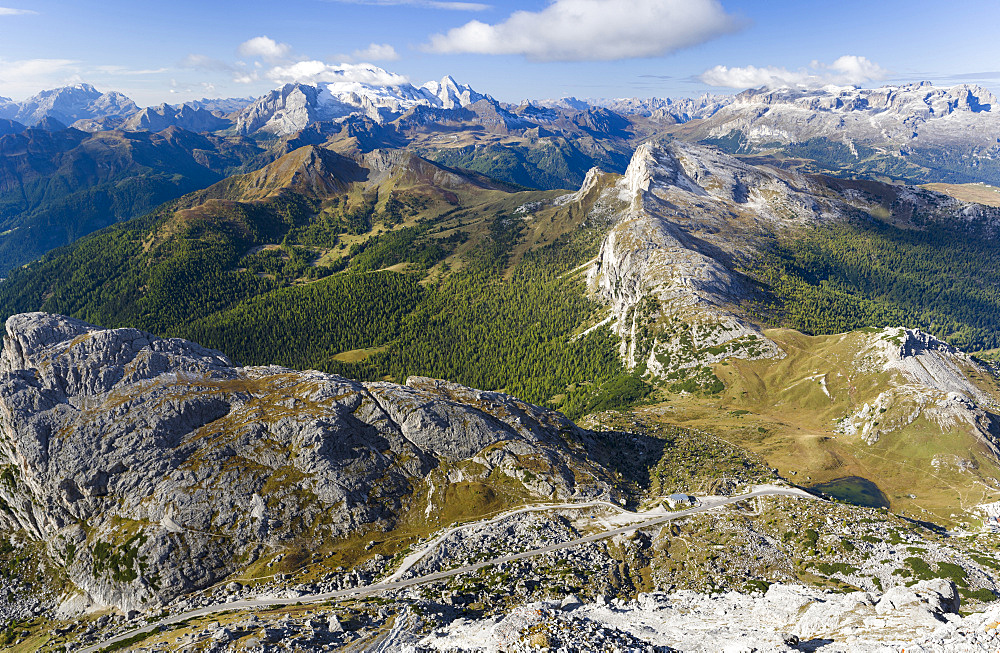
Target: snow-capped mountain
[(185, 116), (294, 106), (67, 105), (670, 109), (899, 116), (662, 109), (222, 105), (452, 94)]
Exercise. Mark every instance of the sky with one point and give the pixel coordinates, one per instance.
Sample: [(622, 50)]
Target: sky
[(189, 49)]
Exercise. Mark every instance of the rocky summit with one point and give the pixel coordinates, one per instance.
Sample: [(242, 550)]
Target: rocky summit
[(152, 467)]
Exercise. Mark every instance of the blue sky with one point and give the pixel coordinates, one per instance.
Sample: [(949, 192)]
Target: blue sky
[(189, 49)]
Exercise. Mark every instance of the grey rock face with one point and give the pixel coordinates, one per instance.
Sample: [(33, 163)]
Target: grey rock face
[(960, 124), (684, 216), (68, 104), (921, 618), (154, 466), (185, 116)]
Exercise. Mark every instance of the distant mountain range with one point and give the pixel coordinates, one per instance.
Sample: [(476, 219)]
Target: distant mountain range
[(96, 171), (295, 106), (915, 132), (752, 120)]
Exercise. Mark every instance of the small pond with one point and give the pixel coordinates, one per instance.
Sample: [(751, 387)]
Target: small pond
[(854, 489)]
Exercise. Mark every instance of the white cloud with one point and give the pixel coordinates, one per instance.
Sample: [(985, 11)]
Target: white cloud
[(314, 72), (278, 66), (430, 4), (593, 30), (846, 70), (246, 77), (264, 47), (203, 62), (24, 70), (851, 66), (25, 77), (122, 70), (8, 11), (377, 52)]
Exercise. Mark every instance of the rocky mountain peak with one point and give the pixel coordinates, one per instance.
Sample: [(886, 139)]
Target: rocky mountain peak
[(8, 126), (69, 104), (658, 170), (450, 94), (311, 170), (144, 441), (185, 116), (48, 123), (74, 358), (655, 164), (934, 381)]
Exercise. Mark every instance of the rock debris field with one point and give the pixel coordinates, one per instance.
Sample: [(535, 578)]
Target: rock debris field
[(921, 618)]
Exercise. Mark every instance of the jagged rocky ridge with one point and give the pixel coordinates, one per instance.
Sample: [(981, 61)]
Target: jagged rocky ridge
[(152, 467), (932, 380), (685, 220), (683, 217)]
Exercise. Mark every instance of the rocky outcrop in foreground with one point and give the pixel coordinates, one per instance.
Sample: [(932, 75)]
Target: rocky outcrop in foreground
[(152, 467), (923, 617)]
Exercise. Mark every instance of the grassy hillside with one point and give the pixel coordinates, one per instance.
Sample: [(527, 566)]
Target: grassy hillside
[(555, 163), (790, 411), (386, 265)]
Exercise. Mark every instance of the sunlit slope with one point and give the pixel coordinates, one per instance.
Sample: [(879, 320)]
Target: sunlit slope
[(377, 265), (898, 409)]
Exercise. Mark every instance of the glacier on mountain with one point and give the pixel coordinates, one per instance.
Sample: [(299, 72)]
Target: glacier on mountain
[(294, 106)]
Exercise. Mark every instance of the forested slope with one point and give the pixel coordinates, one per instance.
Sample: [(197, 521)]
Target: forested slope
[(58, 186), (318, 261)]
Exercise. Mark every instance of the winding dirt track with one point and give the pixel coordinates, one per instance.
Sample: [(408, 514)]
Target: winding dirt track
[(390, 584)]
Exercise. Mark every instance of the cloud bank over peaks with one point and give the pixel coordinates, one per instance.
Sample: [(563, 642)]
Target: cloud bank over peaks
[(847, 70), (316, 72), (593, 30), (271, 60)]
